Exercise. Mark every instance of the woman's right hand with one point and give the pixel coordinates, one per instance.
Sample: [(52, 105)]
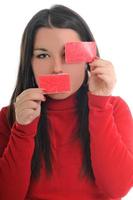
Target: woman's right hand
[(28, 105)]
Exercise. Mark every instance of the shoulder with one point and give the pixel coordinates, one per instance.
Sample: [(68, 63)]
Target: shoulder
[(5, 129), (3, 118), (119, 105), (3, 112), (122, 115), (102, 102)]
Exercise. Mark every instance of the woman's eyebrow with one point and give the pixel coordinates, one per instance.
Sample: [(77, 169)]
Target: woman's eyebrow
[(43, 49), (40, 49)]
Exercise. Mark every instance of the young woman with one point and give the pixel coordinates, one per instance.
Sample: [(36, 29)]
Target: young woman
[(75, 145)]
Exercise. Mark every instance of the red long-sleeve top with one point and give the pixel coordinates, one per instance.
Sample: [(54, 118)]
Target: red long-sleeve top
[(111, 136)]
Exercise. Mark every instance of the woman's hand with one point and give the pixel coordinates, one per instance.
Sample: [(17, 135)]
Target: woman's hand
[(102, 77), (28, 105)]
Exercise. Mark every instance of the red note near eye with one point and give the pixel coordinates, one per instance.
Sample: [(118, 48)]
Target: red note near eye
[(54, 83), (80, 52)]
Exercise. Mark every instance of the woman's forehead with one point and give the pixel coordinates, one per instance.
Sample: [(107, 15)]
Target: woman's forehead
[(54, 37)]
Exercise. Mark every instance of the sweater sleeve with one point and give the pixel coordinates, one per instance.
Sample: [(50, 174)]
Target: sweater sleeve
[(111, 136), (16, 150)]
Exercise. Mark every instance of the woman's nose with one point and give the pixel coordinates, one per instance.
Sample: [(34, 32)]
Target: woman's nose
[(57, 65)]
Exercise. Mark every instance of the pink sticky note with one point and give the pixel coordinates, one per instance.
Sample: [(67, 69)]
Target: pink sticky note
[(54, 83), (80, 52)]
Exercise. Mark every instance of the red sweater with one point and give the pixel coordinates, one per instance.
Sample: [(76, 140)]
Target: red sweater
[(111, 135)]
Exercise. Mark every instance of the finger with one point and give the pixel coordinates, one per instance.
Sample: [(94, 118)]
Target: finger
[(29, 112), (100, 63), (33, 97), (28, 105), (30, 91), (36, 90), (98, 59), (101, 71), (104, 78)]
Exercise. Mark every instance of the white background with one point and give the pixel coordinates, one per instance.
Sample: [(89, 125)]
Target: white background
[(110, 22)]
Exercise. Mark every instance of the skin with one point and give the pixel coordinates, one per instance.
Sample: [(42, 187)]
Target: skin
[(103, 78), (52, 61), (101, 82)]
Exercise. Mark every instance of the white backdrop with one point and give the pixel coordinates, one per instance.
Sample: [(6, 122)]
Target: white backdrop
[(110, 23)]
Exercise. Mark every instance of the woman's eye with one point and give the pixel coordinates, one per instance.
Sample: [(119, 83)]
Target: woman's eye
[(42, 55)]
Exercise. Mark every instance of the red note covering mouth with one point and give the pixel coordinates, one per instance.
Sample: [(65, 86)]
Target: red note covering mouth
[(76, 52), (54, 83)]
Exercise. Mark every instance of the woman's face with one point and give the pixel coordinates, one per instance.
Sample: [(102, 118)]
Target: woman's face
[(51, 60)]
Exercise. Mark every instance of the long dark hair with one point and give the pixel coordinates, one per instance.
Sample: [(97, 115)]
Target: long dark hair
[(57, 16)]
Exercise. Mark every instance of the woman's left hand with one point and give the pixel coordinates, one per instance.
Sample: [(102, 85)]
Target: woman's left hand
[(102, 77)]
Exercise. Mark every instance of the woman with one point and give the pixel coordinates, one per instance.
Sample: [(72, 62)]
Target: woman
[(75, 145)]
